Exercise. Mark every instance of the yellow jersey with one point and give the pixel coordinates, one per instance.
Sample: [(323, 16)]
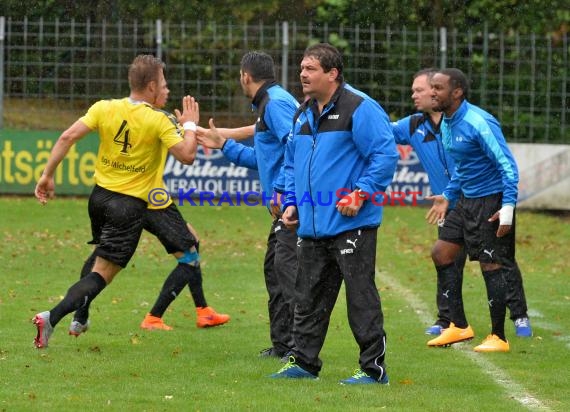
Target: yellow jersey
[(134, 139)]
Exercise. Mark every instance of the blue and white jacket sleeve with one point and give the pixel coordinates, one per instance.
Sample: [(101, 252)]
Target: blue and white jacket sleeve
[(289, 172), (401, 130), (279, 185), (495, 146), (453, 190), (375, 141), (240, 154), (279, 115)]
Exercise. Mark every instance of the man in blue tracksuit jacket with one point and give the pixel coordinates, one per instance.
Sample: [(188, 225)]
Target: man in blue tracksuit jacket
[(275, 107), (484, 185), (422, 132), (340, 157)]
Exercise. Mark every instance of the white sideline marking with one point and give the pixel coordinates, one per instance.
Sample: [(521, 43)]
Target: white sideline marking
[(515, 390), (536, 318)]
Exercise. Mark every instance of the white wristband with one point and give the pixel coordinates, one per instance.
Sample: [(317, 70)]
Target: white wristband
[(506, 215), (189, 126)]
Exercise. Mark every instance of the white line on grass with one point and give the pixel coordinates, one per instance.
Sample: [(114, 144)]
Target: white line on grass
[(537, 319), (515, 390)]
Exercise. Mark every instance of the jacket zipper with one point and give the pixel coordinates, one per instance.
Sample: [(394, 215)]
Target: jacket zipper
[(313, 132)]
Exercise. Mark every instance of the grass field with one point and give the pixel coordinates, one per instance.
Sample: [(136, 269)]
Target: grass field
[(117, 366)]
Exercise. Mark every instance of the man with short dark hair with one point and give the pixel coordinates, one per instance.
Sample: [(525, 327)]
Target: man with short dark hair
[(484, 185), (422, 132), (275, 108), (341, 143)]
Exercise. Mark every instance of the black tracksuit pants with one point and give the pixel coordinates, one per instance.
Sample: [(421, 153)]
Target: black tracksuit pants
[(323, 265), (280, 269)]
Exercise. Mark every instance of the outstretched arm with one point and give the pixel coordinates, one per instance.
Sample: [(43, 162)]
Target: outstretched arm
[(237, 153), (215, 137), (185, 151), (238, 133), (212, 137)]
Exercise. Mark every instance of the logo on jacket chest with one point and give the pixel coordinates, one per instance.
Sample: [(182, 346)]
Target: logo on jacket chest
[(333, 116)]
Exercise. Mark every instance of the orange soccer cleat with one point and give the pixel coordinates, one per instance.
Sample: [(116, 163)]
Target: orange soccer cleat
[(154, 323), (451, 335), (493, 343), (208, 317)]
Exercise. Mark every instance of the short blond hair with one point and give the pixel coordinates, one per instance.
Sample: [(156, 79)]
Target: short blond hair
[(144, 69)]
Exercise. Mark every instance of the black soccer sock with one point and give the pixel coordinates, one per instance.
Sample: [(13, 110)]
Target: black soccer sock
[(195, 286), (443, 313), (450, 293), (516, 299), (78, 295), (82, 314), (443, 310), (496, 283), (171, 288)]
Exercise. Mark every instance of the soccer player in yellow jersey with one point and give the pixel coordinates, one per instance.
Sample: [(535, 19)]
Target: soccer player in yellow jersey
[(163, 219), (134, 138)]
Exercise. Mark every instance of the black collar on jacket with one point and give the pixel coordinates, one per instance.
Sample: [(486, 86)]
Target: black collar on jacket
[(312, 103), (256, 101)]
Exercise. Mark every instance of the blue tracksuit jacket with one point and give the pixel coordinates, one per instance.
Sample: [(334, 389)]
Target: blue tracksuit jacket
[(276, 108), (425, 138), (484, 164), (349, 145)]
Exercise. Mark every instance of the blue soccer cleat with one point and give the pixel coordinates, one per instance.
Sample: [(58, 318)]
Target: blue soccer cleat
[(362, 378), (522, 328), (434, 330), (292, 371)]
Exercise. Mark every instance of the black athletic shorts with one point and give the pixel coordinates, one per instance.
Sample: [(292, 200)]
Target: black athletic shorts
[(116, 224), (469, 224), (170, 228)]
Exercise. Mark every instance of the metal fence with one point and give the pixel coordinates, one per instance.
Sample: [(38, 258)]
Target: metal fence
[(521, 79)]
